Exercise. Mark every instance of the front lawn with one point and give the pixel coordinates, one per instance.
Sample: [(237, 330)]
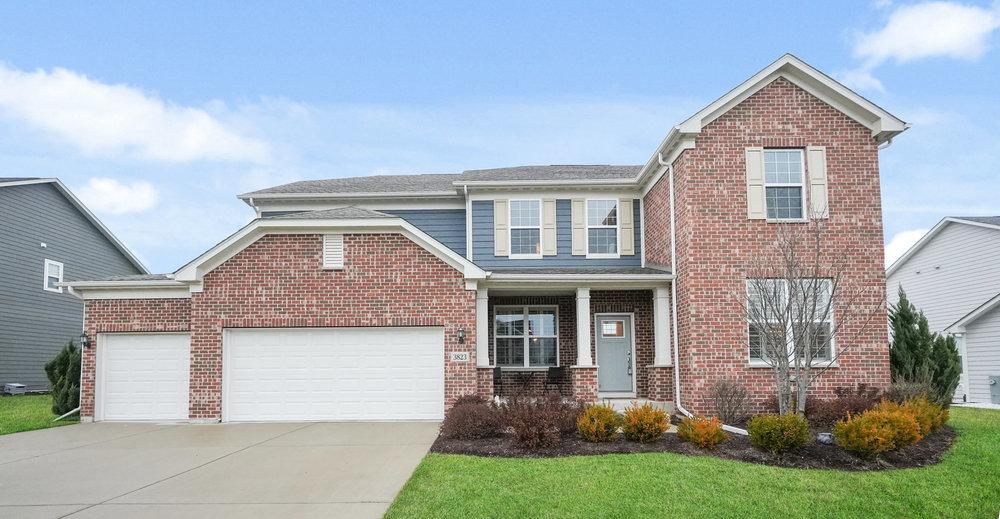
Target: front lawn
[(27, 413), (965, 484)]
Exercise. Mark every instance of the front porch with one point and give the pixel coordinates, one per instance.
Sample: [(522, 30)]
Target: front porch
[(533, 341)]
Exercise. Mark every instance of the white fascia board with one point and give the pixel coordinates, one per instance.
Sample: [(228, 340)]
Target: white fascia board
[(959, 326), (558, 194), (533, 184), (196, 269), (128, 289), (585, 277), (929, 236), (86, 213)]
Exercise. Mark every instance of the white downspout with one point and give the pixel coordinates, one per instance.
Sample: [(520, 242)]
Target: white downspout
[(673, 300)]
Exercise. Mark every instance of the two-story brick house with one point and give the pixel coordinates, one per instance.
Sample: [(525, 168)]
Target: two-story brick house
[(387, 297)]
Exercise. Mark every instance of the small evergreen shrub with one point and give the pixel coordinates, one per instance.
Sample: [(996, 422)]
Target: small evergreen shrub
[(703, 432), (928, 415), (779, 432), (598, 423), (876, 431), (644, 423), (472, 417), (63, 372)]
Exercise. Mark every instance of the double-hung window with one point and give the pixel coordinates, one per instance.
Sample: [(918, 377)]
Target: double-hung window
[(526, 336), (602, 228), (768, 302), (525, 228), (784, 184), (53, 276)]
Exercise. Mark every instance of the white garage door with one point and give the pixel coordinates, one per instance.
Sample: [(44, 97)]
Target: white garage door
[(143, 376), (333, 374)]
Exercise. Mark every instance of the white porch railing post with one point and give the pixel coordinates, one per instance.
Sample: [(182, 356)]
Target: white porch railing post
[(661, 326), (482, 328), (583, 356)]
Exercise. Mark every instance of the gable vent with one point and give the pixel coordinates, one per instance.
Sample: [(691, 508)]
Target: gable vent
[(333, 251)]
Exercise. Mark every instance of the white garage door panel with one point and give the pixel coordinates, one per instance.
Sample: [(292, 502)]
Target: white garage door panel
[(334, 374), (144, 376)]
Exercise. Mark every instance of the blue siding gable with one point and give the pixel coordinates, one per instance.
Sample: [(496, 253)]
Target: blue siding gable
[(482, 241), (444, 225)]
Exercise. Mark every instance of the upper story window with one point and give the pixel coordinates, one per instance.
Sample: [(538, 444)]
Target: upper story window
[(784, 184), (53, 276), (526, 336), (602, 228), (525, 228), (767, 299)]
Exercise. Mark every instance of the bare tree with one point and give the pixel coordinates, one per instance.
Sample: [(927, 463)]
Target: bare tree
[(792, 290)]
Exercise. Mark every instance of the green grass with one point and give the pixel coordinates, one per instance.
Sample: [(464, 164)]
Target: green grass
[(27, 413), (965, 484)]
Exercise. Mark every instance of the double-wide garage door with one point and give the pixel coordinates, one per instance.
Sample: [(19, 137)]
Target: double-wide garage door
[(314, 374), (333, 374)]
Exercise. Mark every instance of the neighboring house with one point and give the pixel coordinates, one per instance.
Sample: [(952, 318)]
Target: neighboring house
[(387, 297), (47, 236), (952, 275)]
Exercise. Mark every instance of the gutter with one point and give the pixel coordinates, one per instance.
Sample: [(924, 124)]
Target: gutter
[(673, 301)]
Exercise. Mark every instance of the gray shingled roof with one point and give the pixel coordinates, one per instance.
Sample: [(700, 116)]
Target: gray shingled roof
[(579, 270), (16, 179), (443, 183), (990, 220), (341, 213)]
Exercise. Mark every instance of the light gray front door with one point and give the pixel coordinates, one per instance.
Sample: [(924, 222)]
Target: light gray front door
[(614, 354)]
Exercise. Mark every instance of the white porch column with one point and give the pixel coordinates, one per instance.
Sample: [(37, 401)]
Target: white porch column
[(482, 328), (661, 327), (583, 356)]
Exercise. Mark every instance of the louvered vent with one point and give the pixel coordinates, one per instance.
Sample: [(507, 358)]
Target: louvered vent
[(333, 251)]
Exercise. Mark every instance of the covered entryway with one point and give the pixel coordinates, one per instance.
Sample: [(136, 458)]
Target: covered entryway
[(143, 376), (331, 374)]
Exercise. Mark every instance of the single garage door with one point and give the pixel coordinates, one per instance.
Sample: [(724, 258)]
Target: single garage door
[(326, 374), (143, 376)]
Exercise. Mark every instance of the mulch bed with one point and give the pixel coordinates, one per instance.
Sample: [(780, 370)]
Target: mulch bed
[(814, 456)]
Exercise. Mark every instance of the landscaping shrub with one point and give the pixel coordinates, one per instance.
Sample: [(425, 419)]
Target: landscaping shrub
[(567, 413), (644, 423), (730, 399), (536, 420), (472, 417), (901, 392), (876, 431), (703, 432), (847, 402), (928, 415), (917, 355), (63, 372), (779, 432), (598, 423)]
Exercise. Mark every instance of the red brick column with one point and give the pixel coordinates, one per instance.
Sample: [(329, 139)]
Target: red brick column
[(584, 381), (484, 382), (660, 380)]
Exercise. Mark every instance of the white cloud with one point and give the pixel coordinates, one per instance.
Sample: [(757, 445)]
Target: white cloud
[(900, 243), (111, 120), (108, 195), (861, 79)]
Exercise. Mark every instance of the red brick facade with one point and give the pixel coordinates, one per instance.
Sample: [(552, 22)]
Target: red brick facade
[(277, 281), (715, 239)]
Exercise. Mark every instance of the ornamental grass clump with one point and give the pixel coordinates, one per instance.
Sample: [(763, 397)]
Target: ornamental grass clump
[(598, 423), (644, 423), (704, 432)]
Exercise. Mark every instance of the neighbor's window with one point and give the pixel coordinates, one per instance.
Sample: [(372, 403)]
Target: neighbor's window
[(784, 184), (602, 227), (777, 291), (53, 276), (526, 336), (525, 228)]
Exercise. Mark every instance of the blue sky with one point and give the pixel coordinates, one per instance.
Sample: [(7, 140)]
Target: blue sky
[(158, 115)]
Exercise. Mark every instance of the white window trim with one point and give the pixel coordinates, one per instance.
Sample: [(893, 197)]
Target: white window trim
[(616, 227), (816, 363), (511, 227), (527, 361), (45, 276), (801, 185)]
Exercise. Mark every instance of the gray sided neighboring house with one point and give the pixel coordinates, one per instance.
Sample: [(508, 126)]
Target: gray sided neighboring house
[(42, 223)]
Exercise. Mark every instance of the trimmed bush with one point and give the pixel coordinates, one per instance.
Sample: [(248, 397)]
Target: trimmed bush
[(63, 372), (598, 423), (644, 423), (539, 420), (876, 431), (779, 432), (703, 432), (847, 402), (472, 417), (929, 415)]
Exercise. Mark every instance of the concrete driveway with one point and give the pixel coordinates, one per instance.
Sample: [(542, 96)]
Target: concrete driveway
[(222, 470)]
